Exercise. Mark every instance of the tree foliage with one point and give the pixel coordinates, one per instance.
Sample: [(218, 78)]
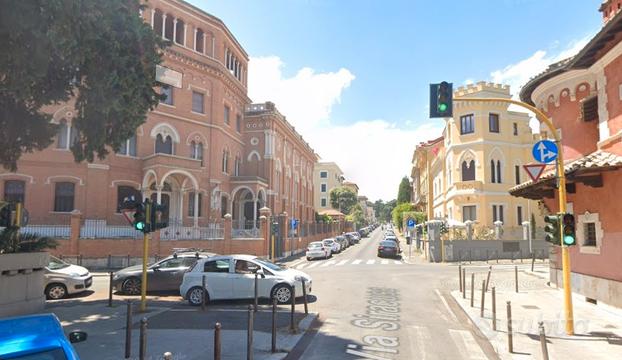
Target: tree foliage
[(398, 211), (12, 241), (383, 210), (404, 191), (99, 54), (343, 199), (357, 216)]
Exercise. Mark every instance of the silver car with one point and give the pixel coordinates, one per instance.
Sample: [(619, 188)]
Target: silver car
[(62, 279)]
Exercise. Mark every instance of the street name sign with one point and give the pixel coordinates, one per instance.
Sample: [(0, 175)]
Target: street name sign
[(534, 170), (544, 151)]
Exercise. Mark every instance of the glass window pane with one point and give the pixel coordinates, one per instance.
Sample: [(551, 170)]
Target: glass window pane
[(64, 197), (197, 102), (226, 114), (14, 191), (61, 136), (167, 91), (217, 266)]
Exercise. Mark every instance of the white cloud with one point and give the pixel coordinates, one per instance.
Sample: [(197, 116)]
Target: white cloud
[(375, 154)]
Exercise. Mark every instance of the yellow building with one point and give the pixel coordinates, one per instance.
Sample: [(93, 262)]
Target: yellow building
[(326, 176), (476, 161)]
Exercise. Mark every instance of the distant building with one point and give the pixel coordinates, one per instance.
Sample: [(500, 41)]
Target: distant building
[(352, 186), (326, 176)]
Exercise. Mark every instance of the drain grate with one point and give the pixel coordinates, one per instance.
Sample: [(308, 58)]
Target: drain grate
[(530, 307)]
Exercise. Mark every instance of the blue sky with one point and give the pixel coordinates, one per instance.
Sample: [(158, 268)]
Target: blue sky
[(369, 63)]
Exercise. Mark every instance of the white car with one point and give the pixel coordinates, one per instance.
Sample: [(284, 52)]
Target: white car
[(333, 245), (317, 249), (62, 279), (233, 277)]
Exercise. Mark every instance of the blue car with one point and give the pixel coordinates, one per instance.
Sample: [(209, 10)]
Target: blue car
[(37, 337)]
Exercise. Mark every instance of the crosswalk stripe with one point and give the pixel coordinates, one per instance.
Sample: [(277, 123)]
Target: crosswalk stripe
[(356, 262), (421, 338), (370, 262), (301, 266), (313, 265), (341, 262), (397, 262), (384, 262), (328, 263), (467, 345), (295, 263)]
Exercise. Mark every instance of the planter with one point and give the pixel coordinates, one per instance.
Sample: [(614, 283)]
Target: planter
[(21, 283)]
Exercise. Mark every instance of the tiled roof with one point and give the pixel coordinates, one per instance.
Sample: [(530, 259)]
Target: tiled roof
[(595, 160), (331, 212)]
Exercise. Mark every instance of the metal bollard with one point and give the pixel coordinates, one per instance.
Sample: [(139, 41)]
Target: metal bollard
[(304, 296), (483, 295), (494, 309), (533, 260), (142, 347), (472, 288), (128, 330), (488, 277), (464, 283), (460, 276), (292, 325), (249, 337), (509, 314), (128, 259), (204, 293), (274, 325), (256, 294), (168, 356), (545, 350), (520, 253), (109, 261), (110, 290), (516, 278), (217, 341)]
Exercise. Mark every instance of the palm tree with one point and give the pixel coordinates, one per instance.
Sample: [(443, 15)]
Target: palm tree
[(12, 241)]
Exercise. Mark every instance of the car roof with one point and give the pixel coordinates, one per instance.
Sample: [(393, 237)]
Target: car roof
[(329, 239), (32, 332), (315, 242), (228, 257)]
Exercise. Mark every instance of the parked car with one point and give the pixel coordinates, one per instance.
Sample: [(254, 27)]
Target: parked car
[(342, 241), (389, 248), (350, 238), (233, 277), (356, 236), (34, 337), (165, 275), (334, 246), (63, 278), (317, 249), (363, 232), (392, 238)]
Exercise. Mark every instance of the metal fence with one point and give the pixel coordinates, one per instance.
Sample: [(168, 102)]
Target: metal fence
[(99, 229), (245, 233), (176, 230), (53, 231)]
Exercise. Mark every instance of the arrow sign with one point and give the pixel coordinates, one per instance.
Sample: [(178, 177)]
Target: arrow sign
[(534, 171), (544, 151)]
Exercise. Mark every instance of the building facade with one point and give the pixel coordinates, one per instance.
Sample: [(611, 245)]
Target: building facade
[(204, 152), (583, 97), (326, 176), (468, 171)]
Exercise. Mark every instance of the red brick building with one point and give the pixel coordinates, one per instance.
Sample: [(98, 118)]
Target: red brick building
[(205, 151), (583, 97)]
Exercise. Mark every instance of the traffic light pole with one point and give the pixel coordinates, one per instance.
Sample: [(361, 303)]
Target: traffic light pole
[(561, 194), (143, 287)]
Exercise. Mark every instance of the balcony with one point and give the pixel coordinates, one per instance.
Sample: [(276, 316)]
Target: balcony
[(175, 161)]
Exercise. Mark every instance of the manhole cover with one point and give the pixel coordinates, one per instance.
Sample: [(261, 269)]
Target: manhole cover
[(530, 307)]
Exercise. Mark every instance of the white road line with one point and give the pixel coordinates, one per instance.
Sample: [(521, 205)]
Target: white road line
[(397, 262), (356, 262), (295, 264), (370, 262), (301, 266), (467, 345), (384, 262), (328, 263), (313, 265), (342, 262), (421, 338), (451, 313)]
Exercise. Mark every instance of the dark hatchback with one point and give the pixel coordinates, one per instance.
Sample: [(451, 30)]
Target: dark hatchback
[(388, 248)]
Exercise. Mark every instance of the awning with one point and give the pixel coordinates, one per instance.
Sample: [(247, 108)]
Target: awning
[(586, 170)]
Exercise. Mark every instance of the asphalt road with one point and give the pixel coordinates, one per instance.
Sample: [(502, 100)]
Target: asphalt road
[(375, 309)]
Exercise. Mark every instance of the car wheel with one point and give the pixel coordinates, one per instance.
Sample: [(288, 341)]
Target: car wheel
[(282, 293), (308, 258), (195, 296), (55, 291), (131, 286)]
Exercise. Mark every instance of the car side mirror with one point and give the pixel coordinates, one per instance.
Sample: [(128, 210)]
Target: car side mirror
[(261, 273), (77, 336)]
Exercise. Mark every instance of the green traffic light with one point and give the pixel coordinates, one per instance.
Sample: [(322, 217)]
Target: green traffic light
[(442, 107), (140, 225), (568, 240)]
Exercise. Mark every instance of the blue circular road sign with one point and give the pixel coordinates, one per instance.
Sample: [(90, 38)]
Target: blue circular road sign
[(544, 151)]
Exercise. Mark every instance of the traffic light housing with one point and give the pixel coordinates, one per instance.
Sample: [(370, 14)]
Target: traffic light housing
[(441, 100), (569, 235), (551, 229), (156, 217), (275, 228), (140, 218)]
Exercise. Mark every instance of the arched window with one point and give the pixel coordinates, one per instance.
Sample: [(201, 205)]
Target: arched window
[(236, 170), (499, 171), (225, 161), (180, 37), (198, 41), (468, 170), (196, 151), (157, 22), (168, 27), (62, 135), (492, 171), (164, 145)]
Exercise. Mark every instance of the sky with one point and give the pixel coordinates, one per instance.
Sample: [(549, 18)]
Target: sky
[(353, 75)]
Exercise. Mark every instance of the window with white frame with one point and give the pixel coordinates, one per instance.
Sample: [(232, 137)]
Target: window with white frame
[(497, 213), (64, 194), (469, 212), (467, 124), (128, 147), (236, 168), (164, 145), (323, 188), (323, 202), (323, 174), (66, 135), (589, 232), (196, 151), (167, 93), (198, 41)]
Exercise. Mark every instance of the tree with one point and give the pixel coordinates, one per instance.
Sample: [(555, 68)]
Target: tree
[(12, 241), (357, 216), (398, 211), (99, 54), (404, 191), (343, 199)]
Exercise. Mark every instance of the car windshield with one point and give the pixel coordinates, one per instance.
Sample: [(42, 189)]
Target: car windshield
[(327, 242), (56, 263), (387, 243), (268, 264), (315, 245)]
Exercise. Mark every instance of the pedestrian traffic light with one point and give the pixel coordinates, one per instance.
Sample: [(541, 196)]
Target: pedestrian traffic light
[(551, 229), (140, 218), (156, 217), (441, 100), (569, 232)]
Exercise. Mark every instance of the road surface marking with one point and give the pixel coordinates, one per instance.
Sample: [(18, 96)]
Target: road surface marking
[(384, 262), (328, 263), (295, 263), (422, 337), (313, 265), (370, 262), (451, 313), (467, 345), (397, 262), (342, 262), (301, 266), (356, 262)]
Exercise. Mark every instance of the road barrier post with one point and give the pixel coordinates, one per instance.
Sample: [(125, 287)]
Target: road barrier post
[(464, 283), (516, 278), (292, 325), (110, 290), (488, 277), (533, 260), (472, 288), (128, 330), (274, 313), (494, 309), (204, 292), (460, 276), (509, 315), (249, 337), (483, 295), (545, 350), (217, 341), (256, 294), (304, 296), (142, 347)]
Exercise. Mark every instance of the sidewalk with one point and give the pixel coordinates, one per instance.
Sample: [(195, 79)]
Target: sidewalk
[(598, 329), (185, 331)]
